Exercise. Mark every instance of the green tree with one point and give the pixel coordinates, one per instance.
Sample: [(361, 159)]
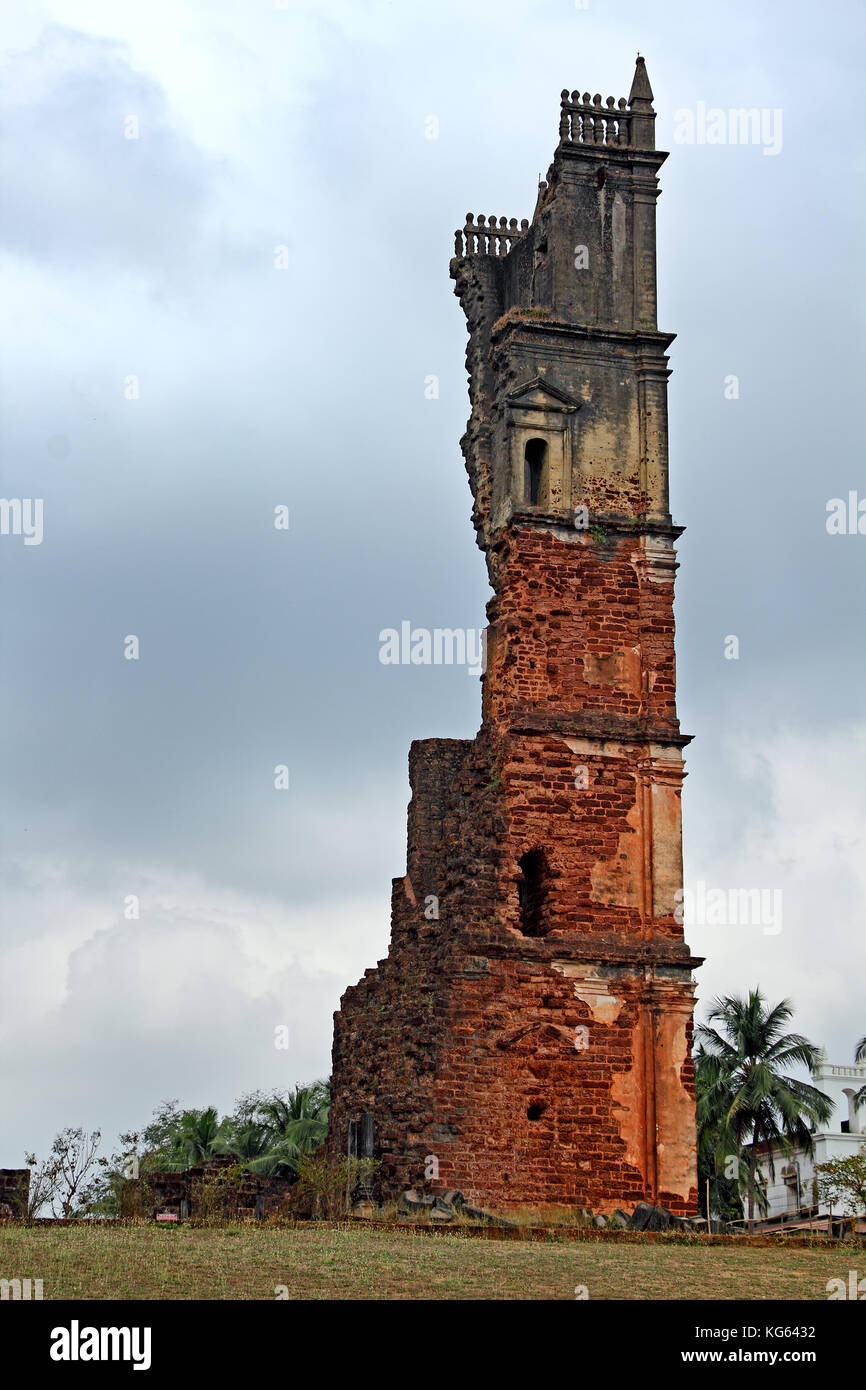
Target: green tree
[(265, 1132), (201, 1135), (746, 1097), (154, 1148), (68, 1179), (295, 1123), (714, 1148), (247, 1142), (842, 1182)]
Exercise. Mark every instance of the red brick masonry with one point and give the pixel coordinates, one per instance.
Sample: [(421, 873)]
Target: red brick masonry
[(528, 1038)]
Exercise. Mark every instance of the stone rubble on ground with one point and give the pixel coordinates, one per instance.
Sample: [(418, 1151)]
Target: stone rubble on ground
[(445, 1206)]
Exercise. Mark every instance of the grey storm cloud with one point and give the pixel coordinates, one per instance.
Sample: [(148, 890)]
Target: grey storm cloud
[(93, 168)]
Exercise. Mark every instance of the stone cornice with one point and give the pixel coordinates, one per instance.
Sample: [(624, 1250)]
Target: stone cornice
[(611, 949), (606, 728), (651, 338), (619, 525)]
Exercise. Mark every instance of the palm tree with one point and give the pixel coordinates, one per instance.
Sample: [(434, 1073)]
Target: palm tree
[(745, 1097), (246, 1142), (200, 1135), (294, 1124), (714, 1144)]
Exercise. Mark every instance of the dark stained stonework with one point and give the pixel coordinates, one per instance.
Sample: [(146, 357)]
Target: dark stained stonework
[(528, 1038), (14, 1193)]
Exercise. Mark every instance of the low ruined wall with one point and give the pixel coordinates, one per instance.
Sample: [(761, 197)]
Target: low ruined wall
[(14, 1191), (197, 1191)]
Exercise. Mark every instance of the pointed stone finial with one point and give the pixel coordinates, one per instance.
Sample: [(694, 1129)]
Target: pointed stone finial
[(641, 91), (642, 117)]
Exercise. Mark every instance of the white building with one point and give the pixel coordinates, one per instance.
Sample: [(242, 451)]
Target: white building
[(791, 1191)]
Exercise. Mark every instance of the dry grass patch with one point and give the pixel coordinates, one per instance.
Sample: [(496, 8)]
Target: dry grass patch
[(338, 1262)]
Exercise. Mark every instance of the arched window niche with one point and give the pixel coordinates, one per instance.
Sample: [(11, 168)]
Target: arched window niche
[(532, 893), (534, 466)]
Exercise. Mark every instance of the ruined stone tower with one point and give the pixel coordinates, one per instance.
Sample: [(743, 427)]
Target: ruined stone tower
[(527, 1038)]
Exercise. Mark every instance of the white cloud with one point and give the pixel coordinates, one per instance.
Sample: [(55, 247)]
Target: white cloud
[(76, 188), (800, 806), (101, 1017)]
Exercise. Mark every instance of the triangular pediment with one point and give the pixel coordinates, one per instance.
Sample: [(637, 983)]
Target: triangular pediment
[(541, 394)]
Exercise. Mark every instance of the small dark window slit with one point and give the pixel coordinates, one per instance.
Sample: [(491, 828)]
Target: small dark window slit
[(534, 459), (532, 893)]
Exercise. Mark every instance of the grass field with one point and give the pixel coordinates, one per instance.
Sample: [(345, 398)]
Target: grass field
[(328, 1262)]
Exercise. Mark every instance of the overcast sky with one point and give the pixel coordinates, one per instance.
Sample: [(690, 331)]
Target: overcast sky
[(165, 386)]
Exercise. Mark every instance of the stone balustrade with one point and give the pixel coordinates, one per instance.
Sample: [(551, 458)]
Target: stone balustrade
[(585, 121), (483, 236)]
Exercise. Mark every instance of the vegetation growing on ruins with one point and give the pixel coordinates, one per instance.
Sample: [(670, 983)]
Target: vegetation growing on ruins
[(267, 1133)]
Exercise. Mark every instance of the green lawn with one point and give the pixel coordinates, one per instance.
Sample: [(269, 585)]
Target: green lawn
[(326, 1262)]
